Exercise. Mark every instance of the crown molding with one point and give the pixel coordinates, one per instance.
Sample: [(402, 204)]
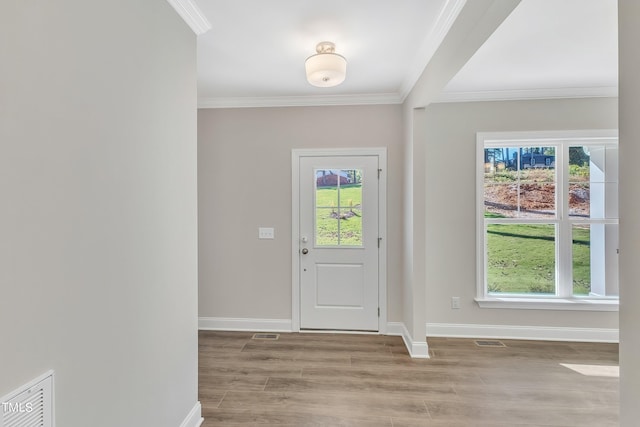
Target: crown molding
[(192, 15), (524, 94), (431, 43), (300, 101)]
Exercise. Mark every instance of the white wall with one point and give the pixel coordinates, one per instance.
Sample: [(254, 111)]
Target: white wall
[(98, 225), (449, 192), (244, 178), (629, 34)]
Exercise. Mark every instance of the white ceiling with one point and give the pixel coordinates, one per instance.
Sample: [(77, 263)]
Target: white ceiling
[(545, 48), (254, 54)]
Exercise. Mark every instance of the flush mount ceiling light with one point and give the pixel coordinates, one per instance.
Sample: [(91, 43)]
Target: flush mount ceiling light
[(326, 68)]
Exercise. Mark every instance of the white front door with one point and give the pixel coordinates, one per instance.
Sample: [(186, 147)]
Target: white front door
[(339, 242)]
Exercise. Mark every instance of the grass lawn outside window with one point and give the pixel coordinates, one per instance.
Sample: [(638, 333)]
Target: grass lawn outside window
[(339, 215)]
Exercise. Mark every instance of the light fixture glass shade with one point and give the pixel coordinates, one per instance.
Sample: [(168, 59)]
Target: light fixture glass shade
[(326, 68)]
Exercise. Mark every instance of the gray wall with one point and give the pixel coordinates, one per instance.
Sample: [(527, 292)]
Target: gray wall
[(244, 179), (244, 182), (449, 194), (629, 34), (98, 226)]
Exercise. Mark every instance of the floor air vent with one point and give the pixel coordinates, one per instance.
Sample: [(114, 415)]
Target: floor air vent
[(272, 337), (489, 343), (29, 406)]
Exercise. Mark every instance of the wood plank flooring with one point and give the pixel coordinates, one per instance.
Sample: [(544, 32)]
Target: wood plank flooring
[(370, 380)]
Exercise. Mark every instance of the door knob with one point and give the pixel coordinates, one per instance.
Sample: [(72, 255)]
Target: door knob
[(305, 251)]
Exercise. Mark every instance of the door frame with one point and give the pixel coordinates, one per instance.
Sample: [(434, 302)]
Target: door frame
[(296, 154)]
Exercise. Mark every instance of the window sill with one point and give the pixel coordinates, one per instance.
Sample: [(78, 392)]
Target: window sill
[(549, 304)]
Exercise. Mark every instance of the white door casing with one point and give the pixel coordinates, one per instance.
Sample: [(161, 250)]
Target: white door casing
[(339, 275)]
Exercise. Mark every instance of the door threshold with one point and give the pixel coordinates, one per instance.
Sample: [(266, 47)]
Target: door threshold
[(337, 331)]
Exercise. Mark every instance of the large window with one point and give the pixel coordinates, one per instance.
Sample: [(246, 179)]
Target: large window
[(548, 218)]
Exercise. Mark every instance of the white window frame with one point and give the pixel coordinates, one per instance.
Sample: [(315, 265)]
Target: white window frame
[(563, 299)]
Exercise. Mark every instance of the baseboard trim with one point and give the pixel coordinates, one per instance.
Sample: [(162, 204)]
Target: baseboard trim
[(241, 324), (540, 333), (194, 419), (416, 349)]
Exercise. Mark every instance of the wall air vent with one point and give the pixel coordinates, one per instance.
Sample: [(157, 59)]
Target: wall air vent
[(29, 406)]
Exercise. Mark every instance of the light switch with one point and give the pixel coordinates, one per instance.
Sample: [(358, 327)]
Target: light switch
[(266, 233)]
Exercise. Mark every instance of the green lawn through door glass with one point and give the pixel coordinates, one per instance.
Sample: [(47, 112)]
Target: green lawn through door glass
[(338, 207)]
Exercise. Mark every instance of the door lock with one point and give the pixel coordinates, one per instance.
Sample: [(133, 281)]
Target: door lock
[(305, 251)]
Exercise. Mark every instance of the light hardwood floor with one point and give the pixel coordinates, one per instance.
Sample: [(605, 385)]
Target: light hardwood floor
[(370, 380)]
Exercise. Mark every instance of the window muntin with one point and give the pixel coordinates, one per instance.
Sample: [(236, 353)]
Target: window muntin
[(548, 213)]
